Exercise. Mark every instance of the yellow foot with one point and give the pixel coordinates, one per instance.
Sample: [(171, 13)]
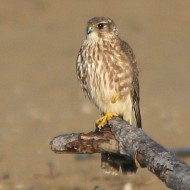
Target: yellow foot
[(114, 98), (103, 120)]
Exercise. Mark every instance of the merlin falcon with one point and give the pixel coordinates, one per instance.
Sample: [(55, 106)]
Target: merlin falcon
[(107, 70)]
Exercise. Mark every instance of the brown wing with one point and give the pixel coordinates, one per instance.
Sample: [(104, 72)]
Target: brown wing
[(135, 83)]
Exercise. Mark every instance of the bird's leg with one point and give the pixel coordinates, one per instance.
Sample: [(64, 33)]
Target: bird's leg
[(114, 98), (103, 120)]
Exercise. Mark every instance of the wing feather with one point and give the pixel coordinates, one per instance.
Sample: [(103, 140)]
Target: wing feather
[(135, 82)]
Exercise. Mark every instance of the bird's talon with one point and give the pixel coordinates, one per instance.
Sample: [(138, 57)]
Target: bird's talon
[(114, 98), (101, 122)]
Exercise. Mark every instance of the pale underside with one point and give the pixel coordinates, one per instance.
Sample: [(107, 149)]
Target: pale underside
[(106, 76)]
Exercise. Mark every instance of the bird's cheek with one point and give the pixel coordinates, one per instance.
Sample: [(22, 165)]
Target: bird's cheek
[(102, 34)]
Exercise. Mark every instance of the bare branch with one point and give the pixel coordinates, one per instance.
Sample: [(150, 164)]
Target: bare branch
[(128, 140), (80, 143)]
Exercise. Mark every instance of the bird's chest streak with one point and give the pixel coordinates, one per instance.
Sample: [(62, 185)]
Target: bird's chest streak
[(106, 81)]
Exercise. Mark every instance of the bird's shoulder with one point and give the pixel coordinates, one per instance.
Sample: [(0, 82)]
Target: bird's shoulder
[(127, 50)]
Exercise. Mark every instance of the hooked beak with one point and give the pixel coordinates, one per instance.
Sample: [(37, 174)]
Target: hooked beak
[(89, 30)]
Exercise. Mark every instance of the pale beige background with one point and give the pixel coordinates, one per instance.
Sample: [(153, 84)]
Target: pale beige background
[(41, 97)]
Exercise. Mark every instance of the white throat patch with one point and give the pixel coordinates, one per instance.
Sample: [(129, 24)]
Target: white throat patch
[(93, 36)]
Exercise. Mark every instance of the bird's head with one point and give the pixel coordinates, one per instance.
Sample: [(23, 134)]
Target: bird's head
[(101, 27)]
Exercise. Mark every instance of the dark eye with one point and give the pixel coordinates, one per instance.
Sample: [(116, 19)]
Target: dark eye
[(100, 26)]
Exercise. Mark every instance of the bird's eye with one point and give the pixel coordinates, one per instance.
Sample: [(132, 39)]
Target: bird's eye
[(100, 26)]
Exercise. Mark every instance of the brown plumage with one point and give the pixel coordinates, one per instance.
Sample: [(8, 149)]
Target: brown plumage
[(108, 74)]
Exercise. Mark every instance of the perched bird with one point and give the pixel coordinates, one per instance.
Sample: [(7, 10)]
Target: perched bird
[(107, 70)]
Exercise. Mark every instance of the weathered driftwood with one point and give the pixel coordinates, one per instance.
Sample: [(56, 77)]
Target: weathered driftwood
[(128, 140)]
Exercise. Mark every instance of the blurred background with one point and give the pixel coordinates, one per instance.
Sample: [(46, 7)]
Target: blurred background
[(40, 96)]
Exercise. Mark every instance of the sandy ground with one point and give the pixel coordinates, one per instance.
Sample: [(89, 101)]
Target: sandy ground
[(41, 97)]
